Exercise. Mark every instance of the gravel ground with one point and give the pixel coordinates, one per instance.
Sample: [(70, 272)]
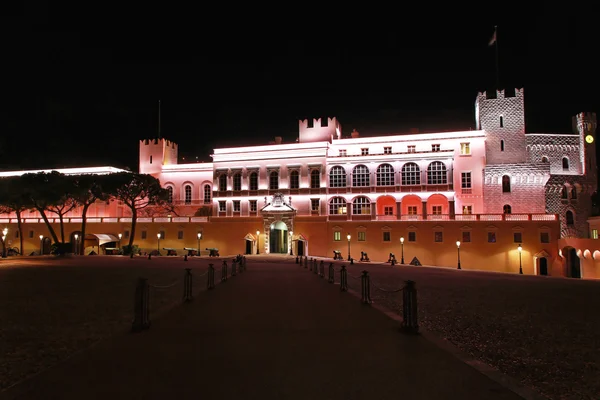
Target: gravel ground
[(52, 308), (543, 331)]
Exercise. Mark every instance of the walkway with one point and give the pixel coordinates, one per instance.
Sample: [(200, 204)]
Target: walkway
[(272, 332)]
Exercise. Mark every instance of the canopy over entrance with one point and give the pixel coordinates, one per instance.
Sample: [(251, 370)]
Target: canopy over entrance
[(102, 238)]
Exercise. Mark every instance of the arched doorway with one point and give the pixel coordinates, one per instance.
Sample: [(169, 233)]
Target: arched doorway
[(572, 262), (249, 246), (300, 250), (543, 266), (278, 238), (46, 247)]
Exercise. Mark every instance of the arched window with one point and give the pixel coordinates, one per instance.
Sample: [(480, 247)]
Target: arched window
[(170, 194), (574, 194), (565, 164), (564, 193), (294, 180), (207, 194), (315, 179), (223, 182), (502, 145), (274, 180), (188, 194), (506, 184), (544, 159), (411, 174), (360, 176), (237, 182), (361, 206), (506, 209), (337, 177), (436, 173), (254, 181), (337, 205), (385, 175), (570, 218)]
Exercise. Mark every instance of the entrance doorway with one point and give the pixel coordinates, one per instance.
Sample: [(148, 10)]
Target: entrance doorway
[(248, 246), (300, 251), (278, 238), (47, 246), (573, 264), (543, 266)]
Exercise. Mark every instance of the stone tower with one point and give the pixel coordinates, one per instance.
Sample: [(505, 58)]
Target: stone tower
[(154, 153)]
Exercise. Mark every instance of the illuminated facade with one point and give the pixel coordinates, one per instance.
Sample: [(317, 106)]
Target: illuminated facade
[(491, 189)]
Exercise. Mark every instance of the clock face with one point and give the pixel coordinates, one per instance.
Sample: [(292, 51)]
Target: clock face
[(589, 138)]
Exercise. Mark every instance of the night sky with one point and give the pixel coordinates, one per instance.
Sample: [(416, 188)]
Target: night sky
[(84, 93)]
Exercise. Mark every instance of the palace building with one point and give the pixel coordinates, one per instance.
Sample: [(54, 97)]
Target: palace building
[(495, 198)]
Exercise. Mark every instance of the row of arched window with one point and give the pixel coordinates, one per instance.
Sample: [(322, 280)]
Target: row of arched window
[(187, 194)]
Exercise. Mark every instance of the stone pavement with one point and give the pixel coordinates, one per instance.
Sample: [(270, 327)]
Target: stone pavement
[(272, 332)]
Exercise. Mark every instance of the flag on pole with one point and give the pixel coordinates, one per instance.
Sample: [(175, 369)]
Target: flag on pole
[(493, 39)]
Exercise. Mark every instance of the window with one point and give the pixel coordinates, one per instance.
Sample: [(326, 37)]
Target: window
[(466, 237), (294, 180), (314, 204), (222, 206), (565, 164), (570, 218), (467, 210), (594, 233), (162, 235), (144, 234), (188, 194), (411, 148), (412, 210), (150, 159), (362, 236), (361, 206), (315, 179), (517, 237), (436, 173), (506, 209), (465, 149), (491, 236), (436, 210), (236, 206), (170, 194), (544, 237), (337, 236), (364, 152), (254, 181), (360, 176), (343, 153), (506, 184), (544, 159), (337, 205), (16, 234), (388, 210), (564, 193), (411, 175), (253, 206), (222, 182), (237, 182), (385, 175), (502, 145), (501, 122), (574, 194), (387, 150), (465, 182), (274, 180), (412, 236), (337, 177), (180, 235), (435, 147), (438, 237), (30, 234), (207, 194), (387, 237)]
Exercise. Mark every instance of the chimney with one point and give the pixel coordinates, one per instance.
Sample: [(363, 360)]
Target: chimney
[(278, 139), (354, 134)]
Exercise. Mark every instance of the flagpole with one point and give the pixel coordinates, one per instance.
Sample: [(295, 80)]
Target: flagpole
[(159, 119), (497, 62)]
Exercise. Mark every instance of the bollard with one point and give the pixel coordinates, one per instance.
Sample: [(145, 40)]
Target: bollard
[(322, 269), (187, 285), (331, 274), (315, 267), (310, 265), (305, 261), (210, 280), (233, 268), (409, 308), (366, 287), (296, 259), (343, 279), (352, 261), (141, 306), (224, 271), (149, 256)]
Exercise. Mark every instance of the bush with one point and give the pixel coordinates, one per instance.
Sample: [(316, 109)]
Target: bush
[(59, 249), (127, 250)]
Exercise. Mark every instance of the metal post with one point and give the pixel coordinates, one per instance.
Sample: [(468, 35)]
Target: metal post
[(233, 268), (409, 308), (331, 274), (210, 282), (322, 269), (305, 262), (520, 264), (366, 287), (141, 306), (315, 266), (458, 254), (224, 271), (343, 279), (402, 258), (187, 285), (349, 248)]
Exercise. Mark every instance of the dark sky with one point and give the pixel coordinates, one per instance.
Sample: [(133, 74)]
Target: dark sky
[(84, 92)]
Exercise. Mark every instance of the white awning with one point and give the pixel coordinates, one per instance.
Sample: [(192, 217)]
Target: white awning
[(102, 237)]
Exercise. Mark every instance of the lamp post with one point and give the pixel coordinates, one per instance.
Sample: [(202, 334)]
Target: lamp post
[(402, 254), (199, 238), (458, 253), (4, 232), (158, 243), (348, 237), (520, 248), (76, 244), (291, 243), (120, 237), (257, 240), (41, 245)]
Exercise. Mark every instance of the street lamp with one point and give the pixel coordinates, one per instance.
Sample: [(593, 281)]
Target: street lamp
[(158, 243), (520, 248), (4, 232), (41, 245), (257, 240), (199, 237), (291, 243), (402, 257), (76, 244), (348, 237), (120, 237), (458, 252)]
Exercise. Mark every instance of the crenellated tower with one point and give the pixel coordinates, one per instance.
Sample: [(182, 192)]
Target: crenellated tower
[(503, 119), (154, 153), (319, 131), (585, 125)]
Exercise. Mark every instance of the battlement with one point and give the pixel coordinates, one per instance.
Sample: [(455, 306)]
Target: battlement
[(320, 130), (500, 94), (585, 123), (154, 153), (161, 141)]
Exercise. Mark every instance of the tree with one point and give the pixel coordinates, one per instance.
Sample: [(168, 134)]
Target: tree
[(41, 193), (137, 191), (14, 198)]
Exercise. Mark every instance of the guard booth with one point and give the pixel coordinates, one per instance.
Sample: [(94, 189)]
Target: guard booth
[(301, 245), (249, 241)]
